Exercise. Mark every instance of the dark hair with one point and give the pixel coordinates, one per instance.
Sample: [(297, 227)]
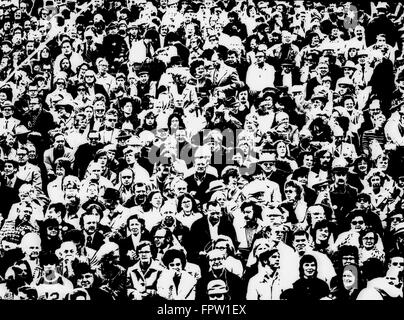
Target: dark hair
[(187, 196), (257, 210), (307, 258), (172, 254), (146, 243), (47, 258), (58, 207), (365, 232), (135, 217), (319, 225)]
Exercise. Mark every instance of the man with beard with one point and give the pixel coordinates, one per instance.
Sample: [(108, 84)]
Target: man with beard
[(248, 226), (89, 226), (58, 150), (85, 153), (342, 195), (85, 279)]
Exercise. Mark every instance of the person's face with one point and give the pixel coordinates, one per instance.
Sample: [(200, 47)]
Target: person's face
[(375, 182), (369, 241), (216, 261), (358, 224), (127, 108), (309, 269), (290, 194), (277, 233), (135, 227), (393, 280), (145, 255), (59, 142), (22, 156), (90, 223), (340, 178), (9, 169), (110, 121), (186, 204), (382, 163), (214, 214), (157, 200), (181, 188), (316, 214), (52, 231), (89, 77), (96, 171), (68, 251), (160, 238), (85, 280), (144, 78), (323, 234), (130, 157), (300, 243), (362, 204), (93, 139), (348, 279), (274, 260), (66, 48), (281, 149), (175, 266), (397, 263), (325, 159), (149, 121), (200, 164), (126, 178), (260, 57)]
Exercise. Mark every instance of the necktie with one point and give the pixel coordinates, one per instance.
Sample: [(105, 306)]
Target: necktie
[(89, 241), (6, 125)]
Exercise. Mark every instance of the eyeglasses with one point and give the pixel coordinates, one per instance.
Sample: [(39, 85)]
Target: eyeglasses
[(289, 191), (397, 220), (396, 264), (354, 223), (126, 177), (216, 295), (144, 252), (368, 238)]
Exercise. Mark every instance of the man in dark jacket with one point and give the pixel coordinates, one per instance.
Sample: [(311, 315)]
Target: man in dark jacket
[(206, 229)]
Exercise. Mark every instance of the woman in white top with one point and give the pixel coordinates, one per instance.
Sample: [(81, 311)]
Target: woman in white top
[(151, 209)]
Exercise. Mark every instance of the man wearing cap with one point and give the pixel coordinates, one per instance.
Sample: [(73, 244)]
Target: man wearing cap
[(217, 290), (115, 48), (89, 49), (8, 122)]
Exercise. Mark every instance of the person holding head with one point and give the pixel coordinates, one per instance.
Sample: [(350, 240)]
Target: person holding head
[(52, 285), (111, 274), (85, 279), (16, 277), (266, 285), (175, 283), (142, 277)]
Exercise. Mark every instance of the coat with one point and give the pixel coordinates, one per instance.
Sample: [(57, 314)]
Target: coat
[(30, 174), (49, 159), (200, 230), (186, 286)]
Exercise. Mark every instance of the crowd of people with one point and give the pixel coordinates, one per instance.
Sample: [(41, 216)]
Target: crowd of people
[(201, 150)]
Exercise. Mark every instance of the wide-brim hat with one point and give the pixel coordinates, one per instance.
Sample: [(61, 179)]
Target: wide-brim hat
[(21, 129), (216, 185)]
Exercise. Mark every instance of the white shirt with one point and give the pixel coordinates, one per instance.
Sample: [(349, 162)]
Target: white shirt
[(213, 230)]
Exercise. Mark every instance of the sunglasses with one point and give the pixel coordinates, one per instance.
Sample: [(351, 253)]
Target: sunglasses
[(396, 264), (216, 295), (354, 223)]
